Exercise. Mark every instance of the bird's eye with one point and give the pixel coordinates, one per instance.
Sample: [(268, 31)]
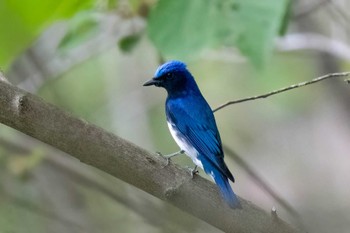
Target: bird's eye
[(169, 75)]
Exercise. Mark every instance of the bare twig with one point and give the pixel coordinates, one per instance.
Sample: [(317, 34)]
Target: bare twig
[(318, 79), (130, 163)]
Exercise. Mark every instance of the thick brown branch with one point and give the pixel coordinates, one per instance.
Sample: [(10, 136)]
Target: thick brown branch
[(130, 163), (83, 175)]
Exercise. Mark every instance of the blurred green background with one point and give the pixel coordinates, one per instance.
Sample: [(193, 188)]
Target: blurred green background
[(91, 57)]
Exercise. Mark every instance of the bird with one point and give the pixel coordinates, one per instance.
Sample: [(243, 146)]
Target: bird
[(192, 124)]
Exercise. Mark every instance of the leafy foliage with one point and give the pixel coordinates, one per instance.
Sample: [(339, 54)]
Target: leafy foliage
[(81, 27), (127, 43), (179, 29), (21, 21), (182, 28)]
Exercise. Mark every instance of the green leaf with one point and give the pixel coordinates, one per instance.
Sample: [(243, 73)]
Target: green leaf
[(127, 43), (285, 20), (184, 28), (21, 21), (81, 28), (111, 4)]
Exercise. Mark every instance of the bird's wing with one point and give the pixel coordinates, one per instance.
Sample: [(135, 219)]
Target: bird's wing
[(201, 132)]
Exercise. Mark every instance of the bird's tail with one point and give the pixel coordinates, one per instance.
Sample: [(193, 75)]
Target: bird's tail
[(225, 189)]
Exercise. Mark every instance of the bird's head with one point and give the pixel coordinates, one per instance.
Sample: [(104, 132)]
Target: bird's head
[(173, 76)]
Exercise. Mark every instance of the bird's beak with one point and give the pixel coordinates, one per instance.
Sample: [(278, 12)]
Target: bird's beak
[(151, 82)]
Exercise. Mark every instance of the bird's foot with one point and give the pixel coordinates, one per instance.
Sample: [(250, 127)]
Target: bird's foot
[(169, 156), (193, 171)]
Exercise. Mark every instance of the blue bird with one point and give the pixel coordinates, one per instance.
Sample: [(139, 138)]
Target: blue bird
[(192, 124)]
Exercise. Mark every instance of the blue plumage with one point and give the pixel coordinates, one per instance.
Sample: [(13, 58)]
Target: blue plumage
[(192, 124)]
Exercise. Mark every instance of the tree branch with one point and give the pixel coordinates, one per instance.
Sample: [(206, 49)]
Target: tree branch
[(315, 80), (83, 175), (130, 163), (314, 42)]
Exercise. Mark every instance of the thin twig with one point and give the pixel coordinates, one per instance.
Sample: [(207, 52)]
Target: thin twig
[(318, 79)]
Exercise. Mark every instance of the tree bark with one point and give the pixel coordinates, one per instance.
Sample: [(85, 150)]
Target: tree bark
[(124, 160)]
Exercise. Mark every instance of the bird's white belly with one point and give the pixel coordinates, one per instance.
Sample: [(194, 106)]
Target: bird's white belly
[(190, 150)]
